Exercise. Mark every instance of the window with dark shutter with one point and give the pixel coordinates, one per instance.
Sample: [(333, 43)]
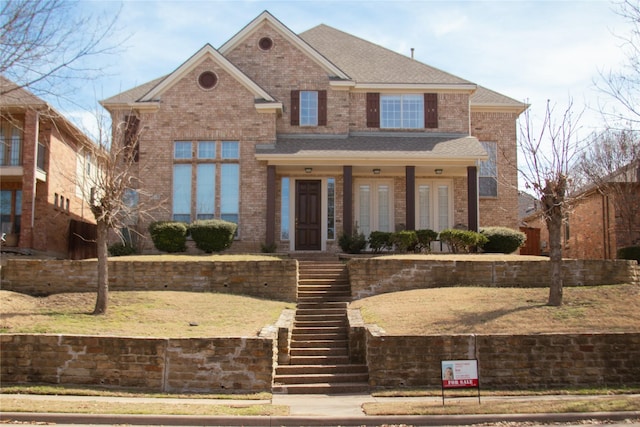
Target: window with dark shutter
[(322, 108), (295, 108), (373, 110), (430, 110), (131, 136)]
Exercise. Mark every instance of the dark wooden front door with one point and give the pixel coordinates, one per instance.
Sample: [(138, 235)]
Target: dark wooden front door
[(308, 215)]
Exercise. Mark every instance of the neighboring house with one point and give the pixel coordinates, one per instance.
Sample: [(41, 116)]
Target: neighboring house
[(41, 156), (299, 138), (600, 220)]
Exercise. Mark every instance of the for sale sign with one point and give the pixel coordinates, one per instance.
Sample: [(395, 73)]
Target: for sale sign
[(459, 373)]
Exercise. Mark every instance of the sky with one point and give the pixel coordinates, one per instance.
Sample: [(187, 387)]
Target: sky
[(532, 51)]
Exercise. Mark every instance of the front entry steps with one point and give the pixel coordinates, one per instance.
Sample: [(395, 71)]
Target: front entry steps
[(319, 349)]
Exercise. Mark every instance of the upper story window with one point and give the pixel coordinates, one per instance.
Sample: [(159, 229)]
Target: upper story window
[(488, 171), (182, 150), (10, 144), (402, 111), (308, 108)]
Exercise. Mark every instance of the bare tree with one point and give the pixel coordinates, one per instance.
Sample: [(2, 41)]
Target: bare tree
[(549, 154), (44, 43), (610, 163), (114, 192)]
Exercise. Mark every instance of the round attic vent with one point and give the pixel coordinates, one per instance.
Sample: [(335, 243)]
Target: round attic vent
[(207, 80), (265, 43)]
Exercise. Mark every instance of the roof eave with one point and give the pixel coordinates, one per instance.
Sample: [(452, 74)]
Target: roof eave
[(500, 108), (395, 87)]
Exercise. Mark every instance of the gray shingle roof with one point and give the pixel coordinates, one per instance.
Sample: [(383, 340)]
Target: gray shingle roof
[(379, 145), (18, 96), (366, 62), (484, 96), (133, 94)]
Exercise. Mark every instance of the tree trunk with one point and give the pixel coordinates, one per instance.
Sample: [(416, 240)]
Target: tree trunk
[(102, 300), (554, 225)]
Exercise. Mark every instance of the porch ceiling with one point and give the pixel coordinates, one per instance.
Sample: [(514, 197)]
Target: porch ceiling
[(374, 149)]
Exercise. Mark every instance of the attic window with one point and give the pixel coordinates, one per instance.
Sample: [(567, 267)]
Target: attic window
[(265, 43), (207, 80)]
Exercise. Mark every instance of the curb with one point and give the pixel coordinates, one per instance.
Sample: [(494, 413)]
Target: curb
[(414, 420)]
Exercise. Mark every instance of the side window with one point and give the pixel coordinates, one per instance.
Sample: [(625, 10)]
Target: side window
[(488, 173)]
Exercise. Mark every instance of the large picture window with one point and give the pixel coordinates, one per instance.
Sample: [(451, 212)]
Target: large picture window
[(402, 111), (488, 173), (207, 186)]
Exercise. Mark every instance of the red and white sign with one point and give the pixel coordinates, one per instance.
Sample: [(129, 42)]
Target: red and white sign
[(459, 373)]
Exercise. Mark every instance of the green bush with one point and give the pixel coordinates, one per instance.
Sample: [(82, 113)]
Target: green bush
[(502, 239), (425, 237), (121, 249), (405, 240), (379, 241), (352, 244), (169, 236), (268, 248), (629, 252), (212, 235), (461, 241)]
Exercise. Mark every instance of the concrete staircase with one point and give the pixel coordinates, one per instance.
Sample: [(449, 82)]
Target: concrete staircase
[(319, 350)]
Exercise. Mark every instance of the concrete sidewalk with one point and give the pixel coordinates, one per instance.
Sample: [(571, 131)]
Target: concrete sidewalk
[(305, 410)]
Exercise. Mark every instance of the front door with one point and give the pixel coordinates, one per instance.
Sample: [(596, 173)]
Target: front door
[(308, 215)]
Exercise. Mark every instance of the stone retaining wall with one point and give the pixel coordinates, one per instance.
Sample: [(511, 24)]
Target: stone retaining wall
[(507, 361), (372, 276), (195, 365), (277, 279)]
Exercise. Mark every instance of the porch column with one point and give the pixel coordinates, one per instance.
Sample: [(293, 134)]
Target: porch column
[(347, 200), (270, 237), (472, 197), (411, 197)]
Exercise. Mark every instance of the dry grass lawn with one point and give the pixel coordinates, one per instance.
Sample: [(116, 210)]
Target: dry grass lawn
[(148, 314), (503, 310)]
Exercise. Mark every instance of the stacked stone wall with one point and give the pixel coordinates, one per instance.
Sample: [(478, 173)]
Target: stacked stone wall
[(196, 365), (264, 279), (507, 361)]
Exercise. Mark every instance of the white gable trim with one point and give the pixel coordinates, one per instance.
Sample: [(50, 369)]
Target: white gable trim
[(206, 52), (290, 36)]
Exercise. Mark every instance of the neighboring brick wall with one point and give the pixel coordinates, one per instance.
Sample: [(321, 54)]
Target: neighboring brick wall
[(264, 279), (376, 276), (507, 361), (197, 365)]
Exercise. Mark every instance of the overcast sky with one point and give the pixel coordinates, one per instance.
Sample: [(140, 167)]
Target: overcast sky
[(529, 50)]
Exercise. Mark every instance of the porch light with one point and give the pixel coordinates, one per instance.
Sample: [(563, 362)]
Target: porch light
[(376, 171), (308, 170), (438, 171)]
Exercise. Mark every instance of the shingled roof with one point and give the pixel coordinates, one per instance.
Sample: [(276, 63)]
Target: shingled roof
[(367, 62)]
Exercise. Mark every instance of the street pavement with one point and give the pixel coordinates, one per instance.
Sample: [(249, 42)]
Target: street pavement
[(308, 410)]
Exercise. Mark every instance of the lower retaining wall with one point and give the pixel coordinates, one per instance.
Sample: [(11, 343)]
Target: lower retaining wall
[(507, 361), (197, 365), (275, 279), (372, 276)]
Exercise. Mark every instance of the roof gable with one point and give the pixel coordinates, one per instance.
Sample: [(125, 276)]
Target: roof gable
[(206, 52), (293, 38)]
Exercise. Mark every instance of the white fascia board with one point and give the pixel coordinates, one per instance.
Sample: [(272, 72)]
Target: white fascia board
[(191, 63), (287, 34), (131, 106), (323, 160), (413, 87), (268, 107), (499, 108)]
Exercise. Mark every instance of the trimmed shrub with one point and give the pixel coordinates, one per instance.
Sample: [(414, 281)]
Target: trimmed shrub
[(379, 241), (352, 244), (629, 252), (461, 241), (405, 240), (502, 239), (425, 237), (169, 236), (212, 235), (121, 249)]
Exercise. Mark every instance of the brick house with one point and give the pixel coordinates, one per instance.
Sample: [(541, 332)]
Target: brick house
[(302, 137), (42, 163), (600, 220)]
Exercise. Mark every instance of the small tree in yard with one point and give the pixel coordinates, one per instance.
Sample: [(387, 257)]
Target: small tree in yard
[(114, 191), (548, 159)]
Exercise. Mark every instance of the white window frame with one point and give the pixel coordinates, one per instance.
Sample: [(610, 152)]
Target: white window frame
[(403, 122)]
